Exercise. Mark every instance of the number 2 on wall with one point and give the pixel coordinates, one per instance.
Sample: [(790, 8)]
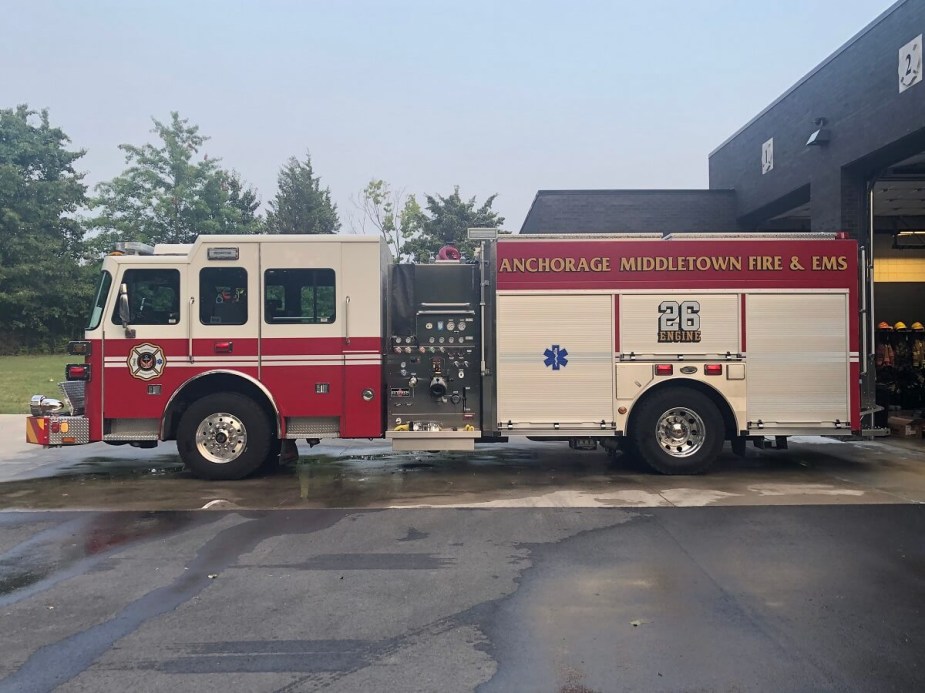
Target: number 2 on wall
[(679, 316)]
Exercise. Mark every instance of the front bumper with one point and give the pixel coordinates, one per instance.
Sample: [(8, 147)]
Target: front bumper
[(57, 430)]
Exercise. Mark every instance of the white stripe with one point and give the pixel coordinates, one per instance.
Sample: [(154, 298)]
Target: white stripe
[(289, 364)]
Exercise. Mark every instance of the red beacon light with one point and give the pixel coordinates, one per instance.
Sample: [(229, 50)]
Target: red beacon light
[(664, 369), (77, 371), (713, 369)]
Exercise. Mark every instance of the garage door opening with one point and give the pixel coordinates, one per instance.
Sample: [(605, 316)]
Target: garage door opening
[(898, 330)]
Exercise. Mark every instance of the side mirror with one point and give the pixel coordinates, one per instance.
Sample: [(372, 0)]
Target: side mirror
[(125, 313)]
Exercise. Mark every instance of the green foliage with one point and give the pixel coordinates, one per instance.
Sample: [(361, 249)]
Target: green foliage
[(24, 376), (169, 194), (301, 205), (394, 215), (44, 290), (446, 222)]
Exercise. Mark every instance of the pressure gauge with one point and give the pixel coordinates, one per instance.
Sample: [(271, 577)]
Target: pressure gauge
[(398, 340), (431, 340), (451, 326), (441, 340), (452, 339), (407, 340), (462, 326)]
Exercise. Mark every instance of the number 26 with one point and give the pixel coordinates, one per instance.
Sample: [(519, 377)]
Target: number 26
[(674, 316)]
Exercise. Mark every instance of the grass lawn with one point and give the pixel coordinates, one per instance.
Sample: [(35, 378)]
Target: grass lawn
[(24, 376)]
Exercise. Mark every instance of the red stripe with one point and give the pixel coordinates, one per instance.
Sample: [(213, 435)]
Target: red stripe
[(855, 398), (742, 306), (311, 346), (696, 264), (616, 322)]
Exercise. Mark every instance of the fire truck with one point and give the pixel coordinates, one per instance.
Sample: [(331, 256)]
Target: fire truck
[(662, 346)]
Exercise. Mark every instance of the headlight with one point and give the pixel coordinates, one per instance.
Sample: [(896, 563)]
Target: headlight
[(40, 405)]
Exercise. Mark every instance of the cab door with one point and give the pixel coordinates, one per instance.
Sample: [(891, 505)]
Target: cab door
[(224, 281), (302, 337), (143, 363)]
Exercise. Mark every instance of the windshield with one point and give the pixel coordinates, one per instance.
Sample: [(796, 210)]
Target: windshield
[(101, 295)]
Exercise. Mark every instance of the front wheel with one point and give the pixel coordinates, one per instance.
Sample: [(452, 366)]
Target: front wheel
[(224, 436), (678, 431)]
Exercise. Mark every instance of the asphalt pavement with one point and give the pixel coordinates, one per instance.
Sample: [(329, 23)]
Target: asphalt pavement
[(528, 567)]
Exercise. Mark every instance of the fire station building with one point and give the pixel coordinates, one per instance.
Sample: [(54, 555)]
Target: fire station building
[(842, 150)]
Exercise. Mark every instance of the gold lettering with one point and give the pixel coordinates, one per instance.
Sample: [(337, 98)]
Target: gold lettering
[(829, 263), (583, 264), (605, 265), (569, 264), (518, 264), (505, 265), (543, 263), (557, 264), (531, 264), (629, 264)]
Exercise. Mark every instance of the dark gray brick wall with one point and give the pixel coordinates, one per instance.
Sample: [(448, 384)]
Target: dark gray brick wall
[(631, 211), (872, 125)]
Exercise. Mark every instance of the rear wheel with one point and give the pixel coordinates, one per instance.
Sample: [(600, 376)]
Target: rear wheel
[(678, 431), (224, 436)]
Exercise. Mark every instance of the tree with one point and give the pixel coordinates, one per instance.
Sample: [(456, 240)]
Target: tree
[(168, 194), (446, 223), (44, 290), (301, 205), (394, 215), (244, 203)]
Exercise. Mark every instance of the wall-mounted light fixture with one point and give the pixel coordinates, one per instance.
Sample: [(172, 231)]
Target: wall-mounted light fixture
[(909, 240), (821, 134)]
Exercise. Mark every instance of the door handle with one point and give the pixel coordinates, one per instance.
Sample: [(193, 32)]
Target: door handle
[(189, 329), (347, 320), (223, 347)]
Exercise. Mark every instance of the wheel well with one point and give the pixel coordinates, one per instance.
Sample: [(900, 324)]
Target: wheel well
[(725, 410), (210, 384)]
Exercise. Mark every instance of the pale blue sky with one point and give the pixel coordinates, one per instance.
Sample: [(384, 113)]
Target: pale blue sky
[(506, 97)]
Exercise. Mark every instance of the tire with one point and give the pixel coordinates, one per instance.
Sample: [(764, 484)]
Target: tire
[(224, 436), (678, 431)]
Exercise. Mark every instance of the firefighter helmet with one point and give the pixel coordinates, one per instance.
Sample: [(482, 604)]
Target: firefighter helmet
[(884, 325), (918, 327), (900, 326)]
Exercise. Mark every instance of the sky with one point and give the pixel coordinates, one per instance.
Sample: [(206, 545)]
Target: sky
[(495, 97)]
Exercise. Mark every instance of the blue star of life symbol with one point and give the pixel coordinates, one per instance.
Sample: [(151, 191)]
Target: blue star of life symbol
[(555, 357)]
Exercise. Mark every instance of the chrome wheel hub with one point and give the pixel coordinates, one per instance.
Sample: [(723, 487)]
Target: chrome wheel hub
[(680, 432), (221, 438)]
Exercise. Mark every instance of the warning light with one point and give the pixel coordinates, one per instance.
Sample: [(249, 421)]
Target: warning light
[(78, 348), (713, 369), (77, 371), (664, 369)]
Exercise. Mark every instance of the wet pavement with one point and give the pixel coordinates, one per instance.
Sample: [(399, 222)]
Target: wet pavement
[(572, 600), (522, 567), (367, 474)]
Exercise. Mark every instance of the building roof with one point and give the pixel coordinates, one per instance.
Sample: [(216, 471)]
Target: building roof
[(631, 211)]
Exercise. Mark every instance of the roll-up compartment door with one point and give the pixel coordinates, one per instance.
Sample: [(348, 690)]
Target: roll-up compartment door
[(797, 358), (672, 322), (555, 360)]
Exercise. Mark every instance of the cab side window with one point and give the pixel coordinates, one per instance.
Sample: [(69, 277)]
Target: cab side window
[(153, 295), (299, 296), (223, 296)]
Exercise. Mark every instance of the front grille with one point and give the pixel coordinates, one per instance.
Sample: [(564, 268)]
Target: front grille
[(73, 391)]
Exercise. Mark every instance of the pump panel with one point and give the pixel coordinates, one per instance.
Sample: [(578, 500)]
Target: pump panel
[(433, 381)]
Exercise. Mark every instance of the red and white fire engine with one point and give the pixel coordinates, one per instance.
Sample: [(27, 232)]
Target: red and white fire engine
[(664, 346)]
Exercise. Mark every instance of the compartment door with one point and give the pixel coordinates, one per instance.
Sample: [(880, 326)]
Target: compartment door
[(555, 360), (797, 359)]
